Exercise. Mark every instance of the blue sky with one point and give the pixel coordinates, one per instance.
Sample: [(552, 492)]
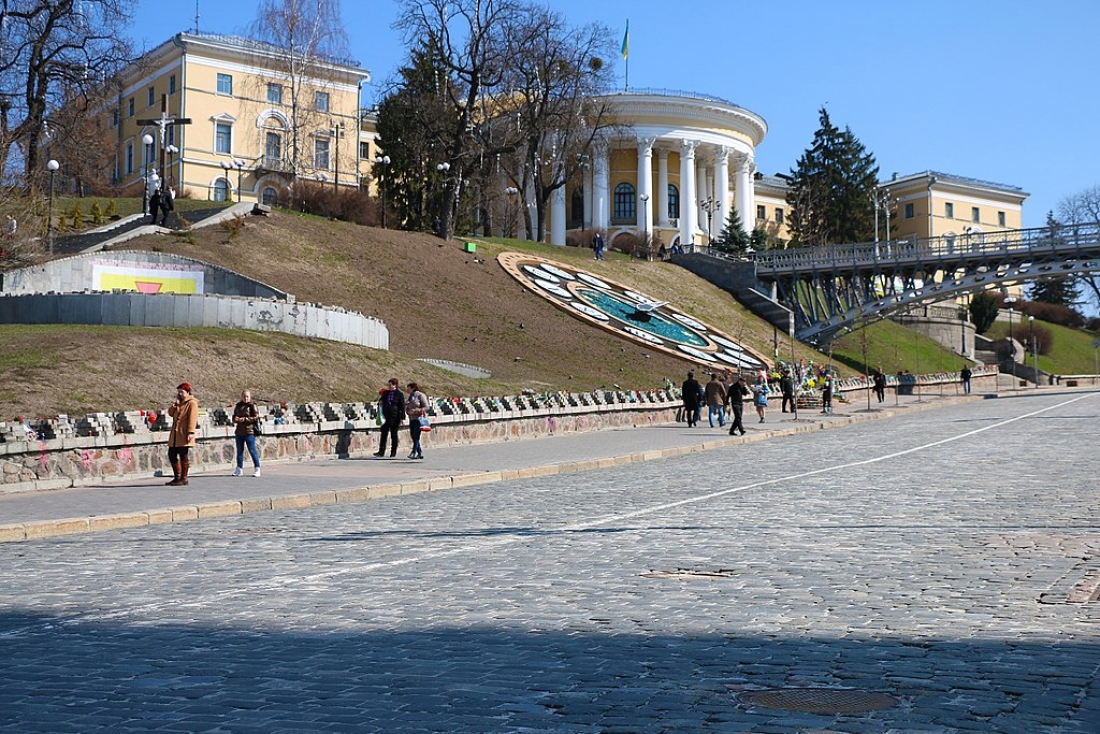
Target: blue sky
[(999, 90)]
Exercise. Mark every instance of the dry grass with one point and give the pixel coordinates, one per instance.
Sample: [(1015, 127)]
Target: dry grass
[(437, 300)]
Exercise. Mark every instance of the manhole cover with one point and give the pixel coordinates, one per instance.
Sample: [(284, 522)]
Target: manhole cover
[(691, 573), (818, 700)]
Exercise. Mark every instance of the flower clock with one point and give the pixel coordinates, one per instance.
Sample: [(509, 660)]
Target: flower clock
[(627, 313)]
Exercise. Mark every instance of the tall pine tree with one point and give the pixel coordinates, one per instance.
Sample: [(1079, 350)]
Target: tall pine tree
[(831, 189), (733, 237)]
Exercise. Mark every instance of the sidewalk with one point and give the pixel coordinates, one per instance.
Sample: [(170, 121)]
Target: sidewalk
[(286, 485)]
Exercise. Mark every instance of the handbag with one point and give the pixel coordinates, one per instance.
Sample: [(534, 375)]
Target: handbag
[(425, 424), (256, 430)]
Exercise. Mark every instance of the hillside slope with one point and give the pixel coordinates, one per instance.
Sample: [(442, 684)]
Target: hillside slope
[(437, 300)]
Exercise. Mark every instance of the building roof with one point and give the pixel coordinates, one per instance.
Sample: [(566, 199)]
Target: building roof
[(950, 178)]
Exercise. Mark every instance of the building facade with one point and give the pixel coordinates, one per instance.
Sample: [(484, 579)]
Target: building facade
[(232, 119)]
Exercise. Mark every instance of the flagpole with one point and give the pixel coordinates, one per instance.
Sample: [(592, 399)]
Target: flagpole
[(626, 56)]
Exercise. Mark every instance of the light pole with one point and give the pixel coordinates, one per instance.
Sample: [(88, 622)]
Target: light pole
[(1011, 340), (437, 225), (147, 139), (383, 161), (1034, 347), (239, 165), (53, 166), (511, 211), (709, 205), (644, 198), (171, 150)]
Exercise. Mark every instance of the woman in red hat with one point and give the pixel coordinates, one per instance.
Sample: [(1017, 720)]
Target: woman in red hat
[(181, 437)]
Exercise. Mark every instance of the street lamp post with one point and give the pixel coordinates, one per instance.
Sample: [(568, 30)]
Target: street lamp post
[(710, 205), (53, 166), (1034, 347), (383, 161), (437, 225), (147, 139), (239, 165), (511, 211), (171, 150), (1010, 300), (644, 198)]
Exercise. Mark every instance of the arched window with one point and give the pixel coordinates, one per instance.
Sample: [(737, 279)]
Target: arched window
[(221, 190), (626, 202), (576, 208), (673, 202), (269, 196)]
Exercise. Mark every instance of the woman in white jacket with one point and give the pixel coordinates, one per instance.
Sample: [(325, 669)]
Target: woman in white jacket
[(416, 407)]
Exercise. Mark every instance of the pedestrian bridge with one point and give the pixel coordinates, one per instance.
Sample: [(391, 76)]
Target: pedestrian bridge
[(823, 290)]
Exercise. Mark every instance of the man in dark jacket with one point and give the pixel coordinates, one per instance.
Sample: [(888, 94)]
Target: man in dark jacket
[(689, 392), (786, 386), (736, 398), (391, 405)]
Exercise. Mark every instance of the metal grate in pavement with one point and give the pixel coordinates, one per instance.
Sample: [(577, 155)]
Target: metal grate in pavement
[(818, 700)]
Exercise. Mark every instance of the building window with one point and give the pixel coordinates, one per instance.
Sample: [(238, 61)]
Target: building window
[(172, 84), (1000, 219), (273, 151), (130, 157), (320, 154), (223, 137), (909, 211), (320, 101), (761, 212), (975, 214), (221, 190), (269, 196), (114, 118), (275, 93), (626, 206), (169, 134), (152, 96), (130, 108), (779, 215), (949, 210), (364, 151), (673, 202), (225, 84)]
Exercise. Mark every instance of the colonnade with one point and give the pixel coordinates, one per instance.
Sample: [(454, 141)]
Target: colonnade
[(704, 190)]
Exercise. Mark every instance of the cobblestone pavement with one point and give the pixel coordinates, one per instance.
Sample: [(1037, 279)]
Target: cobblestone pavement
[(941, 558)]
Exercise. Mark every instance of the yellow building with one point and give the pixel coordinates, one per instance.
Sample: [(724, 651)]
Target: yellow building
[(227, 119), (934, 204)]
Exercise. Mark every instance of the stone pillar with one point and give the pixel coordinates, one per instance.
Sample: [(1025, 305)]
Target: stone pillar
[(745, 198), (601, 213), (557, 216), (645, 185), (662, 187), (688, 198), (722, 186)]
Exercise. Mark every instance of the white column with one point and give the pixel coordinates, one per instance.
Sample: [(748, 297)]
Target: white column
[(662, 187), (586, 183), (701, 193), (745, 198), (557, 216), (687, 191), (601, 218), (645, 184), (722, 187)]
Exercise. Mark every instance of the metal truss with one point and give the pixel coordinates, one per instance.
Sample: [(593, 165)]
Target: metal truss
[(833, 287)]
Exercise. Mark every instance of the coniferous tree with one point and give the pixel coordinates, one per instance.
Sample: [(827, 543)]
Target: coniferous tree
[(831, 189), (983, 311), (1059, 290), (733, 237)]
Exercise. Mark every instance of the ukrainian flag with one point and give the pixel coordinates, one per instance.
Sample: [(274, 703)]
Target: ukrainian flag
[(626, 41)]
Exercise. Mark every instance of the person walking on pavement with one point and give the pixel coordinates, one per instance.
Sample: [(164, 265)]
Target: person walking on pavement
[(689, 393), (738, 391), (715, 395), (786, 386), (827, 394), (245, 417), (879, 380), (391, 404), (760, 400), (965, 376), (598, 245), (416, 407), (181, 437)]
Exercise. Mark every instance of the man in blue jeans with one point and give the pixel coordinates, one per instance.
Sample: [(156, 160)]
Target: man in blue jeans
[(715, 394)]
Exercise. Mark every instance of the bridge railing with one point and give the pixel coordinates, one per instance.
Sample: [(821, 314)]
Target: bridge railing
[(1058, 240)]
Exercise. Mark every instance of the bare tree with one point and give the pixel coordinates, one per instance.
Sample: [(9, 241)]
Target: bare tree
[(1083, 208), (553, 82), (50, 50), (306, 36), (466, 39)]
